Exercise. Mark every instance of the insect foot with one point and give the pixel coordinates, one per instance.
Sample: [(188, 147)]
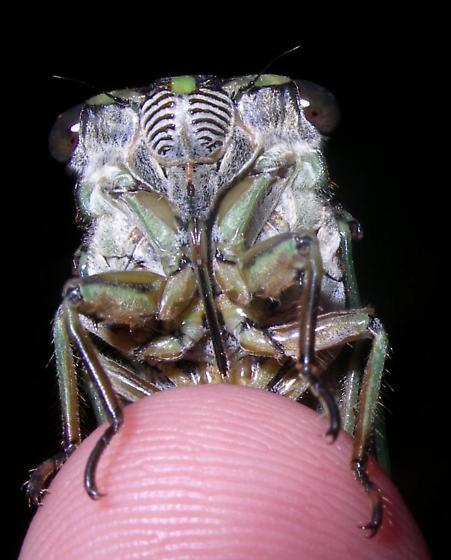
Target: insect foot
[(374, 494), (40, 477)]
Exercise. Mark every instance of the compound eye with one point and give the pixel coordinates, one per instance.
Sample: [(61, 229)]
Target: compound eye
[(320, 106), (63, 138)]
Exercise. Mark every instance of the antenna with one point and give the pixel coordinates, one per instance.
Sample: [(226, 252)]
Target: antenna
[(119, 100), (252, 83)]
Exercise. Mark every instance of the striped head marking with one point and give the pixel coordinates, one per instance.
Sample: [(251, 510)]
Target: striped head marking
[(185, 121)]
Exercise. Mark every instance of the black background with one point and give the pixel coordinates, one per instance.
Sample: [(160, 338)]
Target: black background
[(386, 159)]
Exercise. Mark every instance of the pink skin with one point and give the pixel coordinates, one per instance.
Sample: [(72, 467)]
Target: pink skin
[(219, 472)]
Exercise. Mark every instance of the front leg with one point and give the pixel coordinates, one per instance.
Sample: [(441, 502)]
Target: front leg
[(265, 271), (131, 299), (104, 389), (134, 299)]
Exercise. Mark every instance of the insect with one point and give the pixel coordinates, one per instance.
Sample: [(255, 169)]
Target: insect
[(213, 253)]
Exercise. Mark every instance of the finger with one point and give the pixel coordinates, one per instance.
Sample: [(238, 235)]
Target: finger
[(219, 472)]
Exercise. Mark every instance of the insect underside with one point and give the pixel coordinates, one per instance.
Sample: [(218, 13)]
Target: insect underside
[(212, 254)]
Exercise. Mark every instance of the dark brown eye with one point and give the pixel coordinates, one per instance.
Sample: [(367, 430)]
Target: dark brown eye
[(63, 137), (320, 106)]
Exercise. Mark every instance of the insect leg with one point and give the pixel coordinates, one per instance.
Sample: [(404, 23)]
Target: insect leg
[(127, 383), (368, 402), (126, 299), (354, 373), (68, 391), (350, 230), (336, 329), (277, 263), (308, 248), (104, 390), (173, 347)]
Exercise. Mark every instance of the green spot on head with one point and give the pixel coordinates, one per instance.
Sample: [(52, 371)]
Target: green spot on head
[(100, 99), (272, 80), (107, 98), (182, 85)]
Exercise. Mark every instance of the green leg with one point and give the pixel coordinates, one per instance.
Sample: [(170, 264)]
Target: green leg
[(254, 341), (349, 230), (354, 373), (126, 382), (367, 413), (131, 299), (241, 214), (70, 420), (136, 300), (271, 266), (173, 347), (337, 329), (104, 389)]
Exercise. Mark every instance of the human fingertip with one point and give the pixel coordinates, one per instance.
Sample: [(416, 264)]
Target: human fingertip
[(219, 472)]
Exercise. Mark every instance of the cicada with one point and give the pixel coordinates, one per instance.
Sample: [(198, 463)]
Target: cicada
[(213, 253)]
